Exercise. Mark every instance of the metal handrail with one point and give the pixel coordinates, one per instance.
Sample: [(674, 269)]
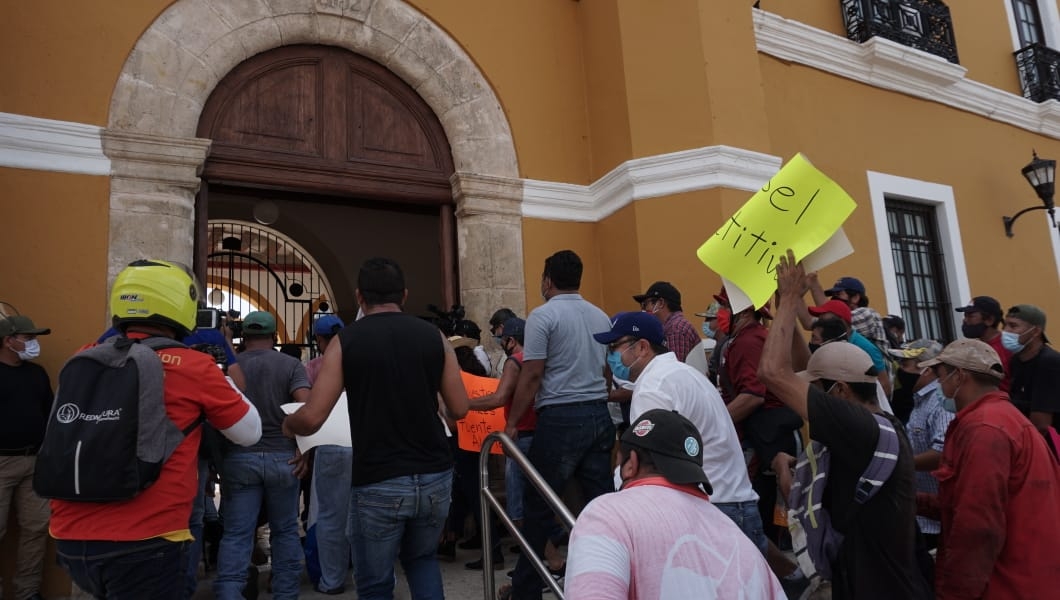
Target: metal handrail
[(490, 502)]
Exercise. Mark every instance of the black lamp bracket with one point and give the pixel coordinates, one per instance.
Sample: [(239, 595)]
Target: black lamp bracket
[(1010, 221)]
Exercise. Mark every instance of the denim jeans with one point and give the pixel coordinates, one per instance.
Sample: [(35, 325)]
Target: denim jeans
[(515, 479), (570, 441), (332, 475), (748, 519), (399, 519), (153, 568), (247, 479)]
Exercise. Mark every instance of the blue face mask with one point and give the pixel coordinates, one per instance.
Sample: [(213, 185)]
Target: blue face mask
[(614, 360), (949, 404), (1011, 341), (707, 331)]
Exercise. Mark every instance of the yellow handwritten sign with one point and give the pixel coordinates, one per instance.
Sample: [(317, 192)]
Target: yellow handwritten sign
[(473, 428), (799, 208)]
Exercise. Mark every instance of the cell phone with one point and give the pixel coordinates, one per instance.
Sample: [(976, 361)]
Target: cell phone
[(208, 318)]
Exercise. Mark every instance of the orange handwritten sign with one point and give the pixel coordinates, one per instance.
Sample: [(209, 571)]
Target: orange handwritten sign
[(473, 429)]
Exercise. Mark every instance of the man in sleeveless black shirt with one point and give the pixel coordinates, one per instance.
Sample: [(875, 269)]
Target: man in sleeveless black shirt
[(393, 367)]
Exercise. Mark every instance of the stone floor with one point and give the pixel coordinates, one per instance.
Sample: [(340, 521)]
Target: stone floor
[(460, 584)]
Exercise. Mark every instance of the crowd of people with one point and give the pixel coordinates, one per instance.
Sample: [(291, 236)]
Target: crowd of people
[(752, 463)]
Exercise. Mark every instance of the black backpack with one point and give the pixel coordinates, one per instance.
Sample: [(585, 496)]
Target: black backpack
[(108, 434)]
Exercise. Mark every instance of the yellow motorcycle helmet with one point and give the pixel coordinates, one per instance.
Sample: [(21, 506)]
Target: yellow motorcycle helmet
[(158, 292)]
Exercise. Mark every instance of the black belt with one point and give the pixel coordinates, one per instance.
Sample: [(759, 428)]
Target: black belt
[(27, 451)]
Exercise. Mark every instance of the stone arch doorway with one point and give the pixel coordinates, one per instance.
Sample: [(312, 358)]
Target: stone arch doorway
[(358, 162), (181, 57)]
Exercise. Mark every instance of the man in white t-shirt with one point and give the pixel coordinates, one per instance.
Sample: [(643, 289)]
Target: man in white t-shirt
[(636, 352), (660, 536)]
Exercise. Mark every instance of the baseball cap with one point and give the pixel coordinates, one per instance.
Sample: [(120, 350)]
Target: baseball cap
[(836, 307), (636, 324), (327, 325), (923, 349), (660, 289), (711, 312), (840, 361), (850, 284), (18, 324), (971, 355), (675, 445), (513, 327), (722, 298), (1031, 314), (459, 341), (259, 322), (983, 304)]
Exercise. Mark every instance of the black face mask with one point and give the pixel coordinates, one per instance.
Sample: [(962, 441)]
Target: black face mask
[(973, 332), (814, 347), (907, 380)]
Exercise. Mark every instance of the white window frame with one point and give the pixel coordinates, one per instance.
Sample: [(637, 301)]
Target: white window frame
[(1050, 15), (939, 196)]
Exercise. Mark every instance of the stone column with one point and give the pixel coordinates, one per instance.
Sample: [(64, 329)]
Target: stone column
[(153, 184), (489, 230)]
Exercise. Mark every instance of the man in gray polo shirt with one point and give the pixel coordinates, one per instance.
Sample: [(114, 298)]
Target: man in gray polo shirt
[(562, 379)]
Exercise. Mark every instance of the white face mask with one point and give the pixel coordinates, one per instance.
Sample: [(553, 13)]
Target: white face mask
[(31, 350)]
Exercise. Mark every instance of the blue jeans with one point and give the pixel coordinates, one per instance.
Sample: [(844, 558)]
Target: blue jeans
[(153, 568), (332, 479), (748, 519), (248, 478), (570, 441), (515, 479), (399, 519)]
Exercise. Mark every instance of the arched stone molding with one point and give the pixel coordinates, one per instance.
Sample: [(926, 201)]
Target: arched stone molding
[(185, 52)]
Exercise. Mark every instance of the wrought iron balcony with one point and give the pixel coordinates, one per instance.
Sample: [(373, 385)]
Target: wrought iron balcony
[(1039, 69), (921, 24)]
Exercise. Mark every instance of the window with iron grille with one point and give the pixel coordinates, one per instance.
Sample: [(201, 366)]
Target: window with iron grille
[(920, 270), (1028, 22)]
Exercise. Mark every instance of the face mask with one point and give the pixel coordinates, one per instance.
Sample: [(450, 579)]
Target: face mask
[(949, 403), (614, 360), (814, 347), (973, 332), (1011, 341), (906, 380), (31, 350), (707, 331)]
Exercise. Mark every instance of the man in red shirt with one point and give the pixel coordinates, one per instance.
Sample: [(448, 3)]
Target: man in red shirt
[(999, 487), (137, 548)]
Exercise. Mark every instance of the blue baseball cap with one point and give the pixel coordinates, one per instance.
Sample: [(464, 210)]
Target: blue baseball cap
[(513, 327), (327, 325), (848, 284), (638, 324)]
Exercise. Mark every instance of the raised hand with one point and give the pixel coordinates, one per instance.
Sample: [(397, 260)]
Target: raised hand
[(791, 277)]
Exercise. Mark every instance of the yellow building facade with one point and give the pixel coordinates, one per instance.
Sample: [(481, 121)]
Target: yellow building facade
[(626, 130)]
